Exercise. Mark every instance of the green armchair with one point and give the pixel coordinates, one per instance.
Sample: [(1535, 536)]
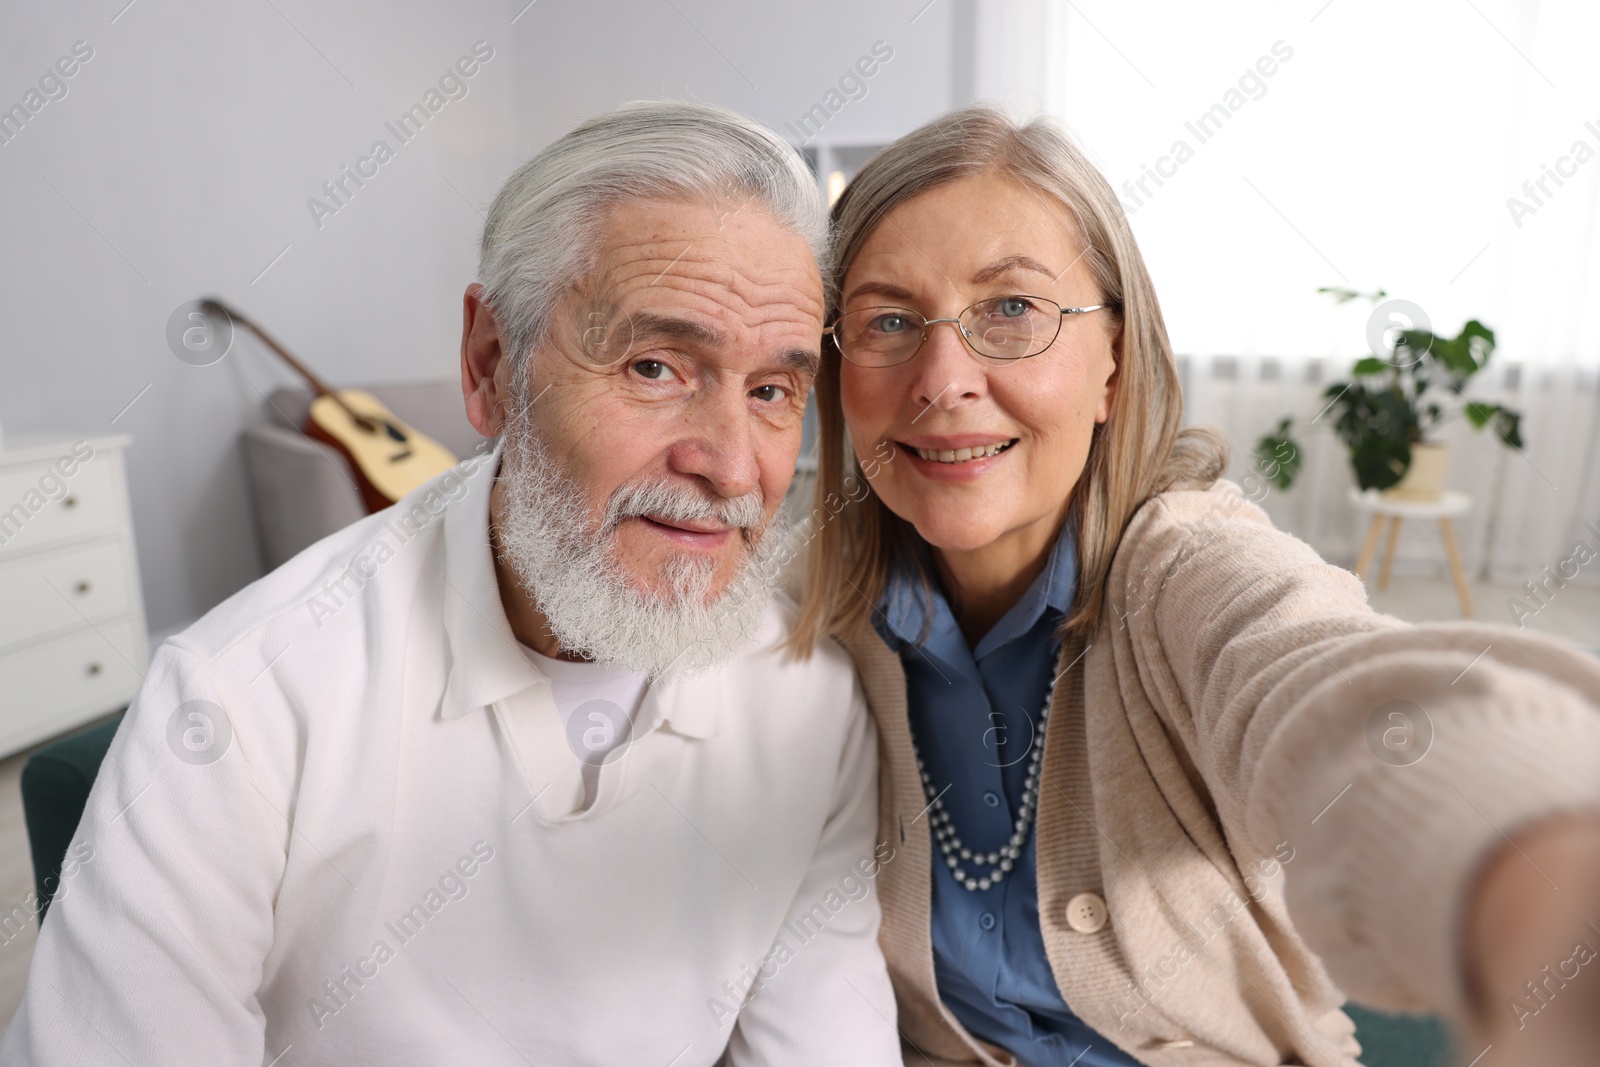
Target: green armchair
[(55, 786)]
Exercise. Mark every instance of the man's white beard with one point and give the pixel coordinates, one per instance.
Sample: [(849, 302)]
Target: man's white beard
[(549, 538)]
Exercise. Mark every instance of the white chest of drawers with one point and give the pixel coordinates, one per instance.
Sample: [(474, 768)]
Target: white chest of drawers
[(73, 644)]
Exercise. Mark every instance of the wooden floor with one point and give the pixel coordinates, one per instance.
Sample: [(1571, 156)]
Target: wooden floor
[(1574, 614)]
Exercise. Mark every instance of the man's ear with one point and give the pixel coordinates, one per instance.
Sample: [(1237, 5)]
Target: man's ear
[(485, 368)]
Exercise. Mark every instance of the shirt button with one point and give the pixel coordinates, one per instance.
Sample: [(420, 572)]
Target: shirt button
[(1086, 913), (991, 799), (986, 920)]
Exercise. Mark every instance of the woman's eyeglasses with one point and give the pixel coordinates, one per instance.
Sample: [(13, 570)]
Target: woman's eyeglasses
[(1001, 330)]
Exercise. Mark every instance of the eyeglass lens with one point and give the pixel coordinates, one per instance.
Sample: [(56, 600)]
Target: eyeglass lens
[(1004, 328)]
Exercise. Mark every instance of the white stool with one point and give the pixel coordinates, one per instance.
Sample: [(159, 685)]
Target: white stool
[(1450, 503)]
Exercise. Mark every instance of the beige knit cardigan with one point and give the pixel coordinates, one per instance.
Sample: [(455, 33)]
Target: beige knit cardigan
[(1212, 769)]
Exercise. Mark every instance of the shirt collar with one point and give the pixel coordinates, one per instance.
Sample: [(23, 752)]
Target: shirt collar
[(486, 663), (905, 608), (690, 706)]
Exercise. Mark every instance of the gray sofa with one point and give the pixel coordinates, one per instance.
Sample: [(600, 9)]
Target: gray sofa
[(301, 487)]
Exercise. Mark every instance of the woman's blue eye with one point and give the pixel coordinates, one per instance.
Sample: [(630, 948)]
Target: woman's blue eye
[(1013, 306), (890, 323)]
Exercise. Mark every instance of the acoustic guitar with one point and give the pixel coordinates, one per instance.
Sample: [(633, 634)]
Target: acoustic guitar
[(387, 457)]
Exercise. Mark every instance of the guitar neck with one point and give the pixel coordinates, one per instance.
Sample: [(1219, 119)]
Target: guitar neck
[(211, 305)]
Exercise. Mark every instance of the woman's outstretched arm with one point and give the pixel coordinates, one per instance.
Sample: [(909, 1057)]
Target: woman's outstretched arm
[(1423, 771)]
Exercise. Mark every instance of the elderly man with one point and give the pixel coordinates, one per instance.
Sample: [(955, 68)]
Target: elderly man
[(537, 785)]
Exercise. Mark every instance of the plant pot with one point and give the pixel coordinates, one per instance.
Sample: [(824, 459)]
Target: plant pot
[(1424, 478)]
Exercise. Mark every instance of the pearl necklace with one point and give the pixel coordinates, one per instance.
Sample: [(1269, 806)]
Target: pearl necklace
[(1004, 858)]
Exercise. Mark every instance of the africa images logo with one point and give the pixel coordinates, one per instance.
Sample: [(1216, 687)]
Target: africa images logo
[(199, 732)]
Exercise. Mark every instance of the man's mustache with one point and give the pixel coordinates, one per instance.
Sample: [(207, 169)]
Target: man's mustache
[(676, 502)]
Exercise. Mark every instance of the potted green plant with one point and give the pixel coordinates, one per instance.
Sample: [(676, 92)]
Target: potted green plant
[(1390, 411)]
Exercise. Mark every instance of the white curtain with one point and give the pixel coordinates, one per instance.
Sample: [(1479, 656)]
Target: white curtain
[(1265, 149)]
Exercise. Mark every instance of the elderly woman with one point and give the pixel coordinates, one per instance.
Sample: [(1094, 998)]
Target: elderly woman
[(1162, 787)]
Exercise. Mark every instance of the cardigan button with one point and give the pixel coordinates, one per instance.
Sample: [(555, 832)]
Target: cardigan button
[(1086, 913)]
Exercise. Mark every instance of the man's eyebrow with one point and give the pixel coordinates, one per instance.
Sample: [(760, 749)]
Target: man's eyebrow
[(653, 324), (1009, 264), (801, 359)]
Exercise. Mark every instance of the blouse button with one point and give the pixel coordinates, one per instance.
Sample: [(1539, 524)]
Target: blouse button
[(991, 799), (1086, 913), (986, 920)]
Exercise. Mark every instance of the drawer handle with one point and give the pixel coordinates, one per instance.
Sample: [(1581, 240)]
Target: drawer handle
[(94, 669), (81, 588), (70, 502)]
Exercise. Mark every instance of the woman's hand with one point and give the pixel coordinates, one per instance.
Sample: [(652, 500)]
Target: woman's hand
[(1533, 948)]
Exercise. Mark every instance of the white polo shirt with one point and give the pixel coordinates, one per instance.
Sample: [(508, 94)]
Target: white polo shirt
[(343, 823)]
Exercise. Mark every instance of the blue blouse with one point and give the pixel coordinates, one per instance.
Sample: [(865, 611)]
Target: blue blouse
[(974, 714)]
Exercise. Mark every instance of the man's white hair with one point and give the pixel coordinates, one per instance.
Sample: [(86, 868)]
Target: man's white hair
[(542, 230)]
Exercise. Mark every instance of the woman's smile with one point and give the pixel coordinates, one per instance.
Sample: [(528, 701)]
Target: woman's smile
[(959, 449), (962, 458)]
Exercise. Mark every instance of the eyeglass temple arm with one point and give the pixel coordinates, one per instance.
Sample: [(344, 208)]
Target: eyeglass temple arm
[(1082, 310)]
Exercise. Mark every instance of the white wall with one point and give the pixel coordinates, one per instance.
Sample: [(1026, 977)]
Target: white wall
[(772, 61), (192, 140), (190, 144)]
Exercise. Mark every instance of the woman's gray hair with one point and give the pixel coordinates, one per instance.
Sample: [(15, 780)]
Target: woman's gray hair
[(542, 230)]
